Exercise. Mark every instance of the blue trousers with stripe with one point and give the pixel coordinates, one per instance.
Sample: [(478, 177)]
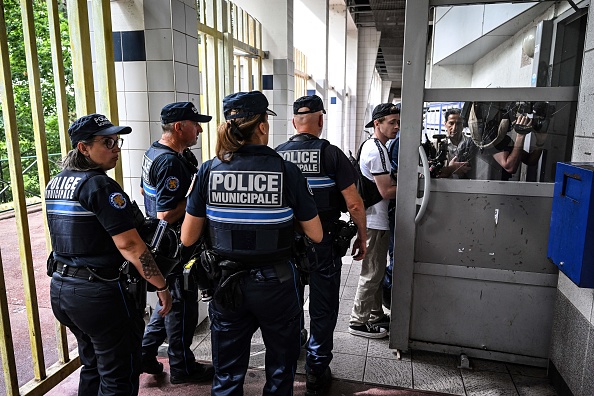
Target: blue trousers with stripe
[(178, 327), (108, 329), (275, 308)]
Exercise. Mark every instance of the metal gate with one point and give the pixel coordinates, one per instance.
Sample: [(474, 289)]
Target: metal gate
[(470, 274), (46, 378)]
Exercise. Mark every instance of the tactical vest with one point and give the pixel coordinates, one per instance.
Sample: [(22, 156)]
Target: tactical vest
[(74, 230), (149, 187), (307, 152), (248, 215)]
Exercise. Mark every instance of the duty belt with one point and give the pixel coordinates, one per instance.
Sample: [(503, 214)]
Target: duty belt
[(85, 273)]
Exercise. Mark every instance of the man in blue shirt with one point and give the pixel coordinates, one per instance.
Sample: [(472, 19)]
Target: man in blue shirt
[(167, 170)]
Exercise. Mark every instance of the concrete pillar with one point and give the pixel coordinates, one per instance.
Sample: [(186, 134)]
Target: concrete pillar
[(156, 62), (386, 85), (278, 71), (337, 56), (311, 38), (368, 44), (350, 95)]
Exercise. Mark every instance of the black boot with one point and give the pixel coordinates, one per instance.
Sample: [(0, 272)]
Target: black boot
[(317, 385)]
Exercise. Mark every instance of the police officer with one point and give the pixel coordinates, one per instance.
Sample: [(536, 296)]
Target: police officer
[(247, 200), (332, 178), (93, 234), (167, 170)]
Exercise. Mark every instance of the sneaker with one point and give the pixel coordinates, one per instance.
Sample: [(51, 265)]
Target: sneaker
[(206, 295), (203, 373), (368, 330), (316, 385), (304, 338), (383, 322), (152, 367)]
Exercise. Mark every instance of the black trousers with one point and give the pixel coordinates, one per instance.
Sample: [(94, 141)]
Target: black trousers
[(324, 290), (178, 327), (108, 328), (275, 308)]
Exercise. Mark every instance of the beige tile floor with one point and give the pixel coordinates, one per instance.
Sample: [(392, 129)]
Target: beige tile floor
[(371, 361)]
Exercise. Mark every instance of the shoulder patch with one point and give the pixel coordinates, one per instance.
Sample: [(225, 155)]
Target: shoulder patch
[(117, 200), (172, 183)]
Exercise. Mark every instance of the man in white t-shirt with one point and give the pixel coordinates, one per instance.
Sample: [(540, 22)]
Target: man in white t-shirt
[(367, 317)]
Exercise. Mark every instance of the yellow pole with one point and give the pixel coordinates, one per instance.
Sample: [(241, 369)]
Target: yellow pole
[(18, 188), (82, 62)]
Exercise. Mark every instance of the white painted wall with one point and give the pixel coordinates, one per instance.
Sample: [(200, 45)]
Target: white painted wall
[(502, 67)]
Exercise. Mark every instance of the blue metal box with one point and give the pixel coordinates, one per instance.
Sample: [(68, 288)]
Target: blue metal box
[(571, 236)]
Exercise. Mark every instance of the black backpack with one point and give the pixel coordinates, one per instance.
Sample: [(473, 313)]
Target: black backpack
[(366, 188)]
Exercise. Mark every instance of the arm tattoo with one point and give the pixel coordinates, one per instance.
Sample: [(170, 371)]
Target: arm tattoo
[(149, 266)]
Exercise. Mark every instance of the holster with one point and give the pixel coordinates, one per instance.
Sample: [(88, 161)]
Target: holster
[(135, 285), (194, 274), (52, 264), (303, 253), (210, 264), (343, 234), (228, 293)]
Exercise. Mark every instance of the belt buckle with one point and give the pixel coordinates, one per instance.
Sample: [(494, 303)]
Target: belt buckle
[(64, 270)]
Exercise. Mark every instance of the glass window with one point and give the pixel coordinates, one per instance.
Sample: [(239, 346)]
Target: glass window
[(498, 140)]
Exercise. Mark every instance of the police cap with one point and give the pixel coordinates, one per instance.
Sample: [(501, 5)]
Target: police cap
[(181, 111), (313, 103), (245, 104), (382, 110), (94, 125)]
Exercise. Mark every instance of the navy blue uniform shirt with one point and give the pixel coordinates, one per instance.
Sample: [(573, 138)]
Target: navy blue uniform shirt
[(172, 178)]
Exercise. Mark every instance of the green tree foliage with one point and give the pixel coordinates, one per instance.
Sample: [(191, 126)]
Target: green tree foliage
[(18, 68)]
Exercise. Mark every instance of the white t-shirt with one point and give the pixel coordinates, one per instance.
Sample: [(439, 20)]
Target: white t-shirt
[(375, 161)]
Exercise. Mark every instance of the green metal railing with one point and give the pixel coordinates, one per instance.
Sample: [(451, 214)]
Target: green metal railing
[(30, 173)]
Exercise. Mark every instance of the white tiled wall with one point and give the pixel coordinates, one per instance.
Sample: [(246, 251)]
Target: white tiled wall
[(160, 48), (169, 74)]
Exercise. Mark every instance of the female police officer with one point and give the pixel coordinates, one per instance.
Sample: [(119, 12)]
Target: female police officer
[(248, 197), (92, 232)]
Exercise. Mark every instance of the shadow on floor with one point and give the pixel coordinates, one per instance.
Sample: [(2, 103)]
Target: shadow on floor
[(153, 385)]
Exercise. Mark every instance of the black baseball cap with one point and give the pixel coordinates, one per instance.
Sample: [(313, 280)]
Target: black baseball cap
[(382, 110), (94, 125), (313, 102), (181, 111), (246, 104)]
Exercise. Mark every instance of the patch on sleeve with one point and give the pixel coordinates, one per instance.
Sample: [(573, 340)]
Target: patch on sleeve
[(117, 200), (172, 183)]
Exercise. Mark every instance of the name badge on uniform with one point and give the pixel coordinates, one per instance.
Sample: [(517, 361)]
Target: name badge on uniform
[(245, 188)]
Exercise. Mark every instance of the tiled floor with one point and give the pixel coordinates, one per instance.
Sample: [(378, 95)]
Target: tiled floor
[(372, 362), (355, 359)]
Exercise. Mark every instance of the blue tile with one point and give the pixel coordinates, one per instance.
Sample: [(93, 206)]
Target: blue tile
[(311, 92), (117, 46), (267, 81), (133, 48), (333, 100)]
